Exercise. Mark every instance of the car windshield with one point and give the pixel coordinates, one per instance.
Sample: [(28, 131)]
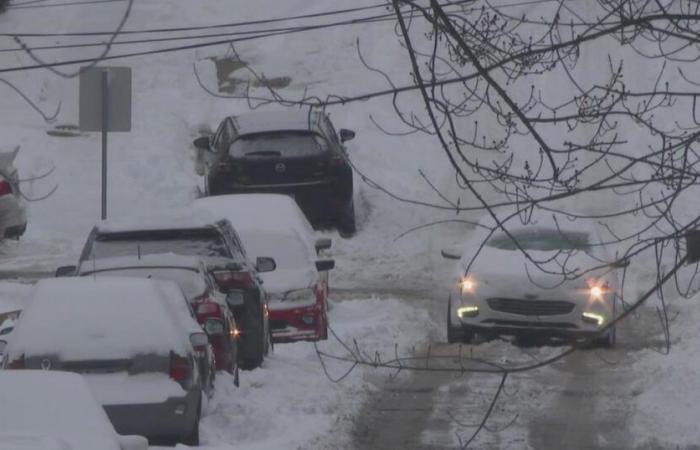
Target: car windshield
[(202, 243), (189, 280), (289, 251), (541, 239), (286, 144)]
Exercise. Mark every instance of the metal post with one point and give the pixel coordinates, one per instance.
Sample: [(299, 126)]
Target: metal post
[(105, 126)]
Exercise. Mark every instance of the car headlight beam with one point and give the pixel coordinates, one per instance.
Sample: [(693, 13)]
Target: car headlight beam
[(590, 317), (467, 311)]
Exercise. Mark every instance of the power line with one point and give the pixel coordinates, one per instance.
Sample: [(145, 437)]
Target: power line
[(33, 4)]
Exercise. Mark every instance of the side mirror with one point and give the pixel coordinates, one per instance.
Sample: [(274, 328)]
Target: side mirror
[(202, 143), (692, 246), (132, 442), (265, 264), (214, 327), (66, 271), (234, 299), (199, 339), (325, 264), (323, 244), (449, 254), (346, 135)]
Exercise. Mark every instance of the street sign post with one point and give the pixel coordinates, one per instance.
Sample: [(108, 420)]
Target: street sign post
[(105, 105)]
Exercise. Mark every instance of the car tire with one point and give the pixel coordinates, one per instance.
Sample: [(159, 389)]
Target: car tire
[(347, 226), (608, 340), (192, 439), (324, 330), (457, 335), (254, 343)]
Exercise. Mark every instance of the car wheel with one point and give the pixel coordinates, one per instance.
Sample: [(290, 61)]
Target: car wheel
[(324, 329), (457, 334), (347, 226), (608, 340), (192, 439)]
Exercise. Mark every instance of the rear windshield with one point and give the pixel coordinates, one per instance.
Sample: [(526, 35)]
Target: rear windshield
[(541, 239), (190, 281), (181, 242), (286, 144)]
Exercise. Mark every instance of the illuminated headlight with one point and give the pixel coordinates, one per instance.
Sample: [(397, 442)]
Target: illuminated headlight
[(594, 318), (468, 285), (467, 311), (301, 295)]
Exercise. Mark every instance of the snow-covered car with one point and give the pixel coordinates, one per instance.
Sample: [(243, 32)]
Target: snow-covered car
[(298, 288), (50, 410), (290, 152), (185, 233), (134, 348), (13, 214), (199, 286), (278, 210), (572, 292)]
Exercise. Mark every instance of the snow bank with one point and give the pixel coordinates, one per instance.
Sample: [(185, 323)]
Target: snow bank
[(289, 402), (12, 296), (52, 405), (668, 395)]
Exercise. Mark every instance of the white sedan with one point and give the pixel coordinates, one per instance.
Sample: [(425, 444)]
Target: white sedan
[(547, 277), (49, 410)]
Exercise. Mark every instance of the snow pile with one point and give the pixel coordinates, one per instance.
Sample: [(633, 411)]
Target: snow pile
[(12, 296), (669, 393), (39, 407), (289, 402)]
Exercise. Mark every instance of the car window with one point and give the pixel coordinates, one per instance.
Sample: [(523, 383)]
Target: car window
[(541, 239), (181, 242), (284, 144), (288, 250)]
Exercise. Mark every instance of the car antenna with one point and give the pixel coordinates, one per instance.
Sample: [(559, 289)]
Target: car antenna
[(138, 251)]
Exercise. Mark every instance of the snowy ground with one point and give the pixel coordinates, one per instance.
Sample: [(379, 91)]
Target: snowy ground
[(290, 402)]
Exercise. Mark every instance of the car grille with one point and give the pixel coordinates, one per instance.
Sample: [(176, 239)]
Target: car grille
[(530, 307)]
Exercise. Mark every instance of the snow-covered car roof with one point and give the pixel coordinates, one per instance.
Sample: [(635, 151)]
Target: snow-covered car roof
[(260, 122), (97, 318), (168, 220), (51, 410), (274, 212)]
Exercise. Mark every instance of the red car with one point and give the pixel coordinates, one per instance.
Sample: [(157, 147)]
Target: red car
[(298, 289), (217, 320)]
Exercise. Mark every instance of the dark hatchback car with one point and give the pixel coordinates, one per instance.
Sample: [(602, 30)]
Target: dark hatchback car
[(290, 152), (200, 237)]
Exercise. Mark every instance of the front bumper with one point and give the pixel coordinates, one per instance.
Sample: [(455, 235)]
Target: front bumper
[(490, 321), (320, 200), (157, 420)]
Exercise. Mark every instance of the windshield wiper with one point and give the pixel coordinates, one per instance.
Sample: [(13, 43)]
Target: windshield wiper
[(264, 153)]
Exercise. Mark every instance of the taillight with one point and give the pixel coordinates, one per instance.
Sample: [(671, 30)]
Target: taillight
[(179, 367), (207, 307), (17, 363), (336, 161), (5, 188), (229, 279)]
